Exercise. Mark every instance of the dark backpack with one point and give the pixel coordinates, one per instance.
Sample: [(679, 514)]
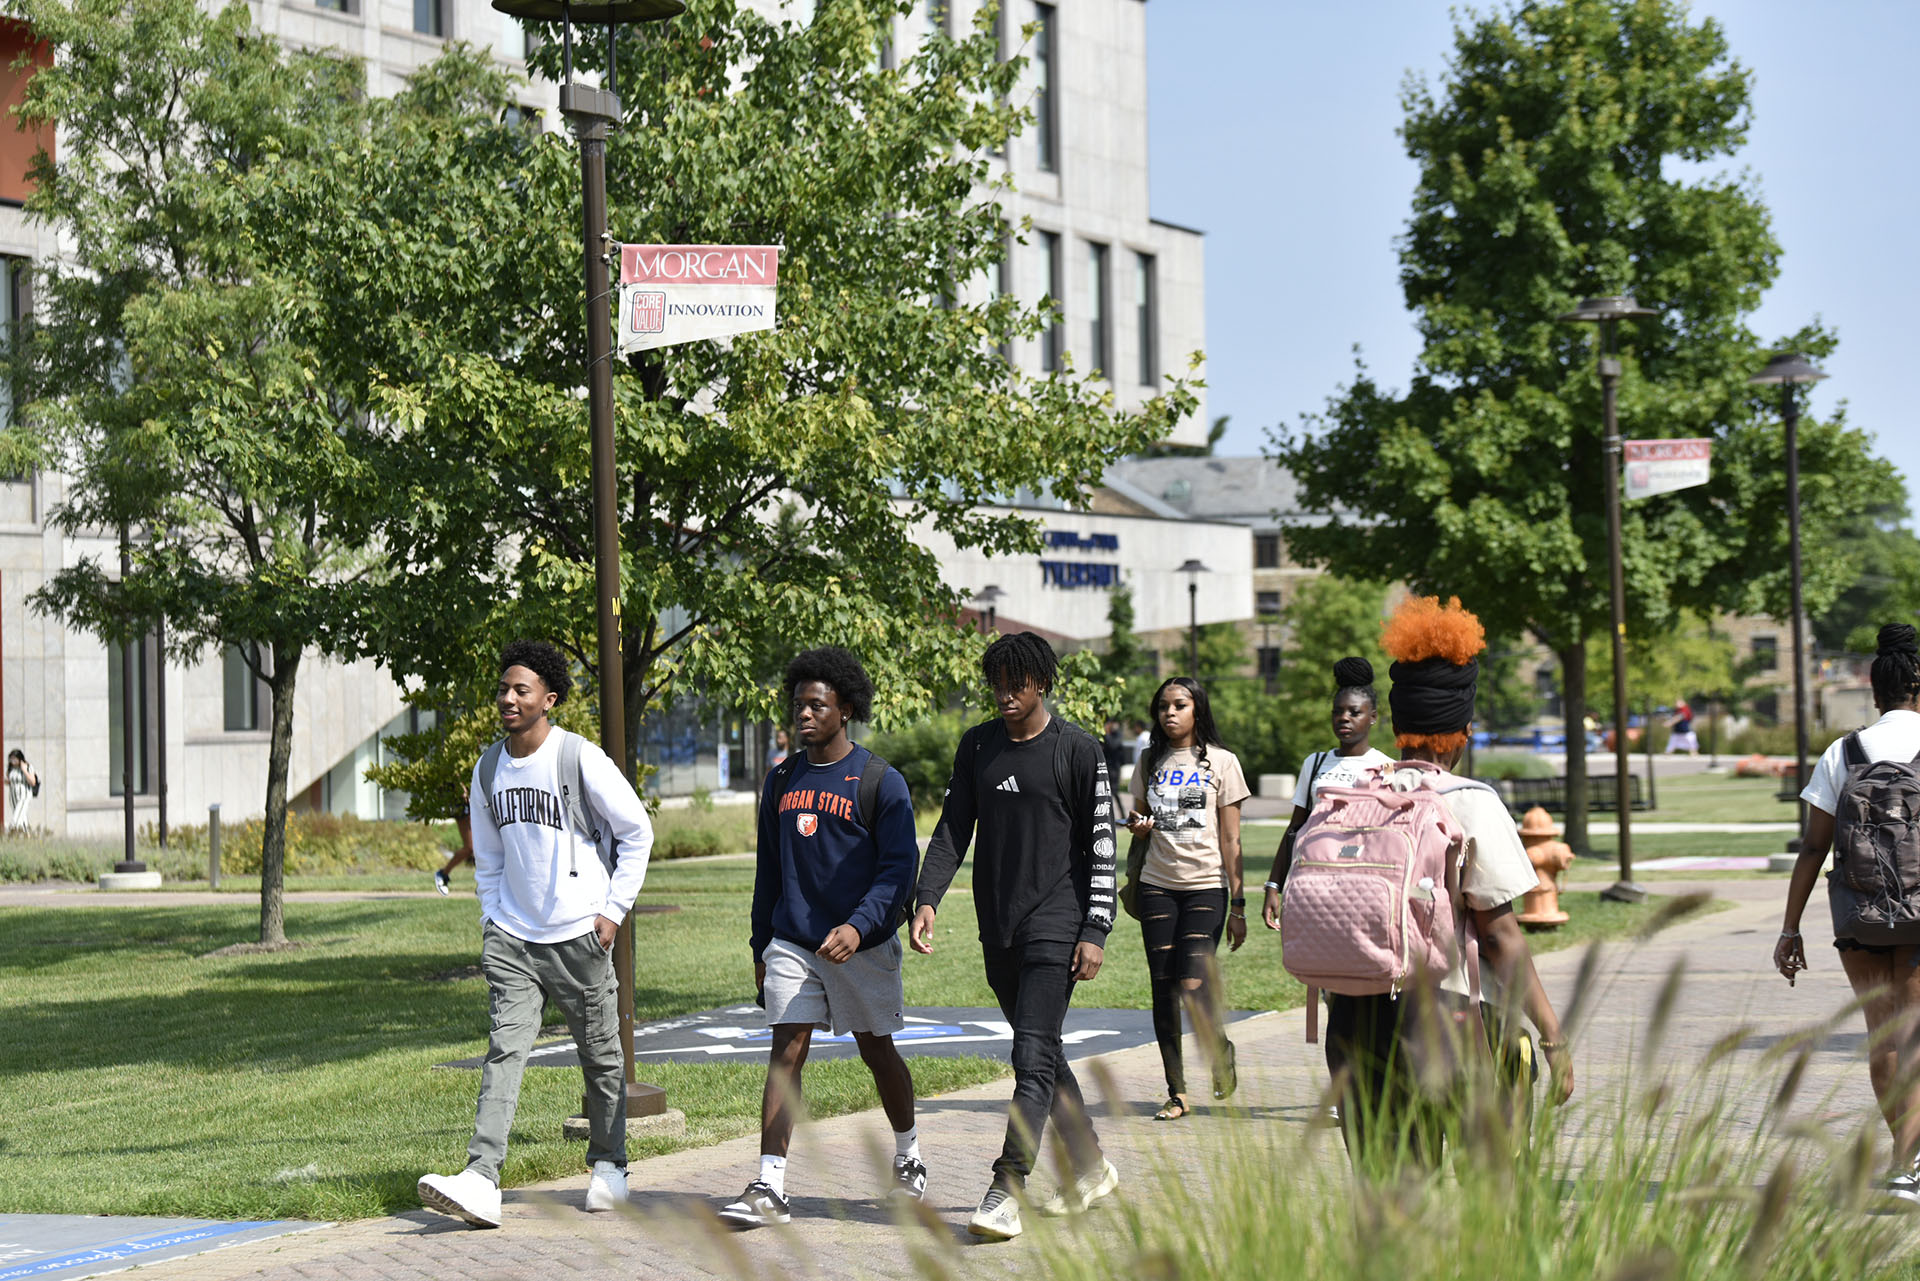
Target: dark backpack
[(1874, 887)]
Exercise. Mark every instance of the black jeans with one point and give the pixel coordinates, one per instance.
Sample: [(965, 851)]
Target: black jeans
[(1181, 929), (1034, 984)]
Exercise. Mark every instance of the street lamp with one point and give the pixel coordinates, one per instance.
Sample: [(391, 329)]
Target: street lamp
[(592, 113), (1787, 369), (1193, 569), (989, 596), (1608, 312)]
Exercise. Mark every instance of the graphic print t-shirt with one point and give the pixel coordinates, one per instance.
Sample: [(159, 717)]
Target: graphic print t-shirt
[(1185, 799), (1330, 769)]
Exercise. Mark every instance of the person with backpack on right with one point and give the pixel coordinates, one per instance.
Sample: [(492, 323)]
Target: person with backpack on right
[(1396, 1041), (1860, 782)]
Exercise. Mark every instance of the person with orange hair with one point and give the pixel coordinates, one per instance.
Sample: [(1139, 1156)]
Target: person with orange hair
[(1435, 673)]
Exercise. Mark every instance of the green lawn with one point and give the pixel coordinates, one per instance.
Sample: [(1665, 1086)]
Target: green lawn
[(144, 1075), (1719, 798)]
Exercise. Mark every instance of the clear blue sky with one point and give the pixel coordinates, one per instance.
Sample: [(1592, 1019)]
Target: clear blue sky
[(1273, 130)]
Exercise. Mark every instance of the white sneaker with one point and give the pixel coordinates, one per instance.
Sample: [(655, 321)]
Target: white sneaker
[(1087, 1189), (467, 1195), (608, 1186), (998, 1218), (909, 1178)]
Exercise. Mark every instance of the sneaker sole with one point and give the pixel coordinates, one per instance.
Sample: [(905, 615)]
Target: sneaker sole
[(592, 1208), (743, 1222), (434, 1199), (990, 1233)]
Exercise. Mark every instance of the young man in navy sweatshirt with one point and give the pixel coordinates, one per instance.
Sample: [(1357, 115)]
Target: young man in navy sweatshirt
[(1035, 790), (829, 896)]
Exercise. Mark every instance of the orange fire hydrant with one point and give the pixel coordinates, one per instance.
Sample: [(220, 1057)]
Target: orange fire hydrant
[(1540, 907)]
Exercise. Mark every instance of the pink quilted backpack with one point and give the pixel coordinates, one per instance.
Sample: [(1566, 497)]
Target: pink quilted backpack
[(1370, 899)]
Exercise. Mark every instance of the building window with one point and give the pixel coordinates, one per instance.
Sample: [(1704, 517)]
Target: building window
[(1266, 604), (1268, 659), (1145, 321), (429, 18), (242, 690), (333, 6), (116, 695), (1766, 654), (513, 39), (1099, 310), (1266, 551), (21, 54), (1046, 133), (1050, 338), (940, 17)]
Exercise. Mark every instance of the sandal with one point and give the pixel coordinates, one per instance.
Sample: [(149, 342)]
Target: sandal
[(1226, 1076), (1173, 1109)]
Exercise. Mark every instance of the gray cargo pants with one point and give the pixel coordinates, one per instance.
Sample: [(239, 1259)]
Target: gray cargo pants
[(578, 976)]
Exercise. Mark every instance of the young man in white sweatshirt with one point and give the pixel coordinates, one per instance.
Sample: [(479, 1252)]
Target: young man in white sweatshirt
[(549, 911)]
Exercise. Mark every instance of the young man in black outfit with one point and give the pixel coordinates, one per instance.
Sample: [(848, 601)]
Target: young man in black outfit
[(1043, 889)]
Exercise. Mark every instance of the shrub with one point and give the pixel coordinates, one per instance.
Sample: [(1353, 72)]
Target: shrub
[(923, 753), (318, 844), (1777, 740), (1492, 765)]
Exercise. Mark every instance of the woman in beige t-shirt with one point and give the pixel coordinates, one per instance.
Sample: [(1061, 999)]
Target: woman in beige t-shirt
[(1186, 796)]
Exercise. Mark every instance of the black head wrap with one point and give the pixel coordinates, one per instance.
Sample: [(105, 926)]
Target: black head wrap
[(1352, 673), (1432, 696)]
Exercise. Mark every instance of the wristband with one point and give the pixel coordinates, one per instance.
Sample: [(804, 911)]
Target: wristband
[(1273, 885), (1789, 934), (1241, 901)]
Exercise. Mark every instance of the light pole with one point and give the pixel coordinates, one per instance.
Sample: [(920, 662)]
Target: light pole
[(989, 596), (1193, 569), (1786, 370), (1608, 312), (592, 113)]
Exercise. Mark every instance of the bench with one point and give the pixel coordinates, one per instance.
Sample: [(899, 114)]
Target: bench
[(1550, 794)]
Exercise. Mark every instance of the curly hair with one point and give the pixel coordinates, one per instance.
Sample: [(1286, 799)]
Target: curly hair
[(543, 660), (839, 671), (1896, 666), (1019, 659), (1423, 628)]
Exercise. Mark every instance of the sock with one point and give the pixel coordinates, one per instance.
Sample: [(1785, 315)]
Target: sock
[(773, 1173), (907, 1142)]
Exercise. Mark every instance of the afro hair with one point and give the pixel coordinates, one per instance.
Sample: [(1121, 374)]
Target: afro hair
[(1423, 628), (543, 660), (840, 672)]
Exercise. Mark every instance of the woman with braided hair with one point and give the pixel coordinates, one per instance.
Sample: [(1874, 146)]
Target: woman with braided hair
[(1186, 799), (1886, 978)]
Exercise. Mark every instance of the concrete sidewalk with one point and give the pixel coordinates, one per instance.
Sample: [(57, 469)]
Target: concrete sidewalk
[(842, 1227)]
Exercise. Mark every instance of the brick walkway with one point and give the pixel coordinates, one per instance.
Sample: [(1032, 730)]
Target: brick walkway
[(842, 1228)]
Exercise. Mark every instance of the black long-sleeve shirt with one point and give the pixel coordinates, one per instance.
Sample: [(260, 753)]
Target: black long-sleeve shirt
[(1044, 867)]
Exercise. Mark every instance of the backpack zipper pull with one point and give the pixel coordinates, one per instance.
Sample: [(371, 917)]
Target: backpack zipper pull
[(573, 846)]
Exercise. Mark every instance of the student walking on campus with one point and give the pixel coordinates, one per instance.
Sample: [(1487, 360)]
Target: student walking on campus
[(831, 887), (23, 784), (1186, 801), (1859, 805), (1356, 710), (1034, 792), (1397, 1095), (560, 845)]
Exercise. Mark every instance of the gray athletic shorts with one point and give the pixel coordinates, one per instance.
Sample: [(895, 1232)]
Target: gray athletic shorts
[(862, 994)]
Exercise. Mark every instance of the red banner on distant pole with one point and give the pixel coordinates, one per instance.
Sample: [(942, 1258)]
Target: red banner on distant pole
[(682, 293), (1662, 466)]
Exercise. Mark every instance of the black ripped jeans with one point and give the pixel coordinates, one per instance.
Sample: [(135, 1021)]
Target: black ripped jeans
[(1181, 929)]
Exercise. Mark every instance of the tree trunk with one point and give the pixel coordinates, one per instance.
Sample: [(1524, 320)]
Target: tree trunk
[(1573, 707), (273, 839)]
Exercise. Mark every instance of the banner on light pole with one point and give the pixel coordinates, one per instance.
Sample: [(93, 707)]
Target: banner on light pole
[(682, 293), (1662, 466)]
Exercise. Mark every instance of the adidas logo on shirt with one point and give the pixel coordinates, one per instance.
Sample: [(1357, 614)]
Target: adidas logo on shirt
[(1011, 784)]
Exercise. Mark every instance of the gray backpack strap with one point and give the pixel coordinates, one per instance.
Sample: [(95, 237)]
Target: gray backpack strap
[(573, 798), (489, 768)]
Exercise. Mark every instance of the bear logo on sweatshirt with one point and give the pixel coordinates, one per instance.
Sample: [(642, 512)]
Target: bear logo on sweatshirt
[(807, 823)]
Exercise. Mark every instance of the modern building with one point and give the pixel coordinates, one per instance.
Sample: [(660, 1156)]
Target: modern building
[(1131, 298)]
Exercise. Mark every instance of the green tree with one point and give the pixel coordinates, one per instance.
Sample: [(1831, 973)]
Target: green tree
[(880, 406), (1559, 158), (1125, 660), (200, 367), (1887, 584), (1328, 618)]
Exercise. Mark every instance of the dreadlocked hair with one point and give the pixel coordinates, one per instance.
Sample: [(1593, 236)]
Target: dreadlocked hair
[(1896, 668), (1421, 629), (1019, 659), (1204, 733)]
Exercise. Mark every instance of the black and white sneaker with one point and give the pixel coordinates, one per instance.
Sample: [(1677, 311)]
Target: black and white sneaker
[(758, 1207), (1903, 1188), (909, 1178), (441, 881)]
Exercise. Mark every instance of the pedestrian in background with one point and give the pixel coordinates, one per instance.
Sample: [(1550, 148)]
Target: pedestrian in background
[(23, 784), (1186, 800)]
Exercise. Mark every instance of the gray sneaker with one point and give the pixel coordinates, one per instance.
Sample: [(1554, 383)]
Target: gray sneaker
[(998, 1218), (909, 1178), (1086, 1190)]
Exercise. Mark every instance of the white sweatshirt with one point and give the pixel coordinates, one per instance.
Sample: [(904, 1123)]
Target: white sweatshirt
[(540, 880)]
